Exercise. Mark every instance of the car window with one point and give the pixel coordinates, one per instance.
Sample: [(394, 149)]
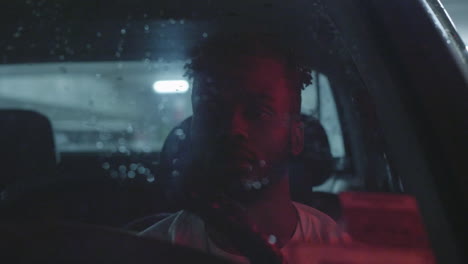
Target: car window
[(120, 84)]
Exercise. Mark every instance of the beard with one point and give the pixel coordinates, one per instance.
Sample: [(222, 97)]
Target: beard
[(212, 174)]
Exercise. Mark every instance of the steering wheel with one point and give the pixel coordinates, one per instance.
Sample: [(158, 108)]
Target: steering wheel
[(36, 242)]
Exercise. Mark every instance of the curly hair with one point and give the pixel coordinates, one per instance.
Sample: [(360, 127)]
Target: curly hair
[(222, 50)]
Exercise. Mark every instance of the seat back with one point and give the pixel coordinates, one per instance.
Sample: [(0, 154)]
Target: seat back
[(27, 152)]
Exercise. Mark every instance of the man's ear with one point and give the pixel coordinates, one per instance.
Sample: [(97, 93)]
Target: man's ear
[(297, 138)]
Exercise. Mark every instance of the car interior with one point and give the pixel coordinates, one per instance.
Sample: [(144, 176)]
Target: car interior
[(89, 138)]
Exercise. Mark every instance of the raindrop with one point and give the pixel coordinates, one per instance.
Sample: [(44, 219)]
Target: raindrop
[(146, 149), (123, 31), (174, 161), (114, 174), (117, 54), (175, 173), (262, 163), (106, 165), (131, 174), (172, 21), (205, 35), (265, 181), (182, 22), (122, 141), (141, 170), (180, 134), (150, 178), (123, 168), (133, 166), (98, 75), (272, 239), (98, 34), (61, 57), (129, 129), (257, 185), (99, 145), (122, 149), (17, 35)]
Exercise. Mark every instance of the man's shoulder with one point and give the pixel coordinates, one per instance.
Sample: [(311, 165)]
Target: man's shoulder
[(161, 228), (310, 212), (316, 226), (180, 228)]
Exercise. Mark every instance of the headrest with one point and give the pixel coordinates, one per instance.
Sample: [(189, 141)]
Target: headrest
[(315, 163), (27, 148), (312, 167)]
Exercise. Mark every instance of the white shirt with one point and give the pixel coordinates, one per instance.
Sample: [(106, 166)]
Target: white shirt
[(186, 229)]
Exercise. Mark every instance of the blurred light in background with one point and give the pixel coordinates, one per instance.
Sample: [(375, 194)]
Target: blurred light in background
[(174, 86)]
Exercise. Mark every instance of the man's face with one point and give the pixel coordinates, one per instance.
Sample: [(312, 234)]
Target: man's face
[(243, 130)]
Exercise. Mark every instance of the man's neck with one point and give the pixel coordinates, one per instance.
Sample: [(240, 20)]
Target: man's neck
[(275, 214)]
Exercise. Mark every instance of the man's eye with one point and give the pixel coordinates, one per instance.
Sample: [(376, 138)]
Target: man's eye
[(261, 113)]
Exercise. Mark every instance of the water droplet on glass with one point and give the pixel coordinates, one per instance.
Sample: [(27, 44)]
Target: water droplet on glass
[(175, 173), (141, 170), (146, 149), (205, 35), (133, 166), (174, 161), (123, 31), (98, 34), (181, 21), (262, 163), (131, 174), (106, 165), (99, 145), (122, 149), (172, 21), (272, 239), (98, 75), (257, 185), (180, 133), (265, 181), (114, 174), (122, 168), (150, 178)]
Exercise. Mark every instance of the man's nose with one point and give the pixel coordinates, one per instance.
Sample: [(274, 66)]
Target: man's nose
[(238, 126)]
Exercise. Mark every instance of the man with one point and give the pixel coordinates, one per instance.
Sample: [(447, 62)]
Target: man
[(246, 126)]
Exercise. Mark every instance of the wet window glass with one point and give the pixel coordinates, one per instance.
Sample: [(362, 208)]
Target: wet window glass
[(175, 120), (456, 10)]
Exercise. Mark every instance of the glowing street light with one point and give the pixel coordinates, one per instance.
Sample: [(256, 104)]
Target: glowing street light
[(173, 86)]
